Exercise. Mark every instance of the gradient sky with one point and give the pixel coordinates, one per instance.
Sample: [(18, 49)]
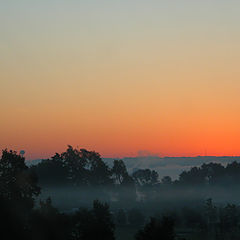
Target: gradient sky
[(120, 76)]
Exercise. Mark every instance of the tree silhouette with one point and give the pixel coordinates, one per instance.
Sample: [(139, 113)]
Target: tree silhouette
[(100, 174), (46, 223), (12, 222), (76, 161), (211, 174), (166, 180), (232, 173), (192, 177), (145, 177), (119, 171), (94, 224), (214, 173), (52, 172), (18, 189), (74, 167), (229, 222), (157, 230), (18, 184)]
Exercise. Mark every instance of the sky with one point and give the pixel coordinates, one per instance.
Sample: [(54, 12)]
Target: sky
[(120, 77)]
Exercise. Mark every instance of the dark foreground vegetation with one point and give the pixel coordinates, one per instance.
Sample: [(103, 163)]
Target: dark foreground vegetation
[(56, 199)]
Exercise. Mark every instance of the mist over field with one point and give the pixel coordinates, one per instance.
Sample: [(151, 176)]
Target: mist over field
[(70, 196)]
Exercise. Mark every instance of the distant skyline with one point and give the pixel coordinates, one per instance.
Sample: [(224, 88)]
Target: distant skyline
[(119, 77)]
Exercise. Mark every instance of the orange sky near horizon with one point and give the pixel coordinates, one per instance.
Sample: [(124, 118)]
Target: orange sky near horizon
[(118, 78)]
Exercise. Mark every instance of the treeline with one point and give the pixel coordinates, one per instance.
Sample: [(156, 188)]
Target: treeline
[(74, 167), (23, 218), (212, 174), (79, 167)]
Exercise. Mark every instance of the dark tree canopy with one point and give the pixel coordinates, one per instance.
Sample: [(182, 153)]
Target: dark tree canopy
[(166, 180), (51, 171), (157, 230), (75, 167), (18, 190), (96, 223), (211, 174), (119, 171), (18, 184), (47, 223), (144, 177)]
